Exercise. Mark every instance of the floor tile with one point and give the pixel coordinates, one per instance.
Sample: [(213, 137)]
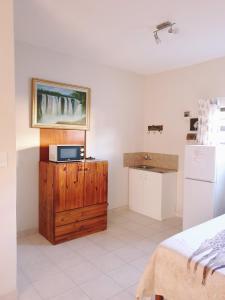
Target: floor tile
[(35, 272), (140, 219), (123, 296), (38, 239), (117, 231), (98, 235), (92, 250), (110, 243), (80, 243), (27, 254), (149, 231), (158, 238), (118, 219), (108, 262), (74, 294), (147, 245), (126, 276), (131, 238), (57, 252), (133, 289), (22, 282), (101, 288), (29, 294), (173, 221), (51, 286), (129, 253), (141, 262), (83, 273), (70, 262)]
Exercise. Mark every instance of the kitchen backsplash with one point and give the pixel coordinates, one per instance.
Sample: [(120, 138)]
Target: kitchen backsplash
[(167, 161)]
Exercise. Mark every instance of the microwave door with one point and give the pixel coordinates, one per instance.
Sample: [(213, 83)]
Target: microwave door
[(69, 153)]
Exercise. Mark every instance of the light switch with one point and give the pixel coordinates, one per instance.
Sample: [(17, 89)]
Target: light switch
[(3, 160)]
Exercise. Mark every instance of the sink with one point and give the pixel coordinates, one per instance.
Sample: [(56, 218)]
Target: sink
[(144, 167), (153, 169)]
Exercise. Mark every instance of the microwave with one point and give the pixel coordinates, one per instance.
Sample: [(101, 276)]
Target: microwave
[(63, 153)]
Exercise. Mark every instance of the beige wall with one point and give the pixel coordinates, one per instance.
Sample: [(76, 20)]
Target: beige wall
[(7, 145), (171, 93), (116, 121)]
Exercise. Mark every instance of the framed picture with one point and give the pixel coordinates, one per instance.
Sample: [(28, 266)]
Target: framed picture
[(193, 124), (191, 137), (59, 105)]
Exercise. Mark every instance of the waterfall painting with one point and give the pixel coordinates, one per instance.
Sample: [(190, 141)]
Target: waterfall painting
[(58, 105)]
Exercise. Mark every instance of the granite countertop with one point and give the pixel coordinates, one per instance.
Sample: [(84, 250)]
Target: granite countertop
[(153, 169)]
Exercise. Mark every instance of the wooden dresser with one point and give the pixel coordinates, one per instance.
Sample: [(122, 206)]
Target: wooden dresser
[(73, 199)]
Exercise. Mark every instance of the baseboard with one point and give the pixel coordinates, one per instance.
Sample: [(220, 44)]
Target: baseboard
[(10, 296), (27, 232)]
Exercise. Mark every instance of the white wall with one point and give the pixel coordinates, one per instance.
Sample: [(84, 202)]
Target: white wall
[(116, 121), (7, 144), (171, 93)]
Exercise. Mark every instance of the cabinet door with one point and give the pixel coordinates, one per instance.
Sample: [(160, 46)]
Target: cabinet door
[(136, 190), (152, 201), (69, 182), (96, 183), (60, 187), (145, 193), (74, 185)]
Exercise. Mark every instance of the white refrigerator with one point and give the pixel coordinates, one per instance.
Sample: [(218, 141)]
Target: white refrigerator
[(204, 184)]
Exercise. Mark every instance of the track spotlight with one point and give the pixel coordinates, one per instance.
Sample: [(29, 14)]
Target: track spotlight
[(163, 26), (157, 39), (170, 29)]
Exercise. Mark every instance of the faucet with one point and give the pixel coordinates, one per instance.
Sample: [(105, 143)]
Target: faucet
[(147, 157)]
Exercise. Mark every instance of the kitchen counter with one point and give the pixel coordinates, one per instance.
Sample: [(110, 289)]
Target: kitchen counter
[(153, 169)]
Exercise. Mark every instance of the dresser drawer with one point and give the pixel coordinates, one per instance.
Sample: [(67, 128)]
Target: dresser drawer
[(80, 214), (82, 226)]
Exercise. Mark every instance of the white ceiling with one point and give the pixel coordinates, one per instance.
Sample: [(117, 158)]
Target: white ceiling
[(118, 33)]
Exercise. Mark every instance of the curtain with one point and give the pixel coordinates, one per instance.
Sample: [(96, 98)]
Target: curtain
[(208, 121)]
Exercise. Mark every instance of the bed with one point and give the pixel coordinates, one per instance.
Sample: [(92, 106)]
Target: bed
[(188, 266)]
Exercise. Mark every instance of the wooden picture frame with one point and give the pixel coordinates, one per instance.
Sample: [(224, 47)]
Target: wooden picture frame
[(60, 105)]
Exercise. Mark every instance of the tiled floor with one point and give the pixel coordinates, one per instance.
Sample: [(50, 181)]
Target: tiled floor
[(105, 265)]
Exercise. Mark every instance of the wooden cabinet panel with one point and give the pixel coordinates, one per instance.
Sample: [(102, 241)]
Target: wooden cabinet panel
[(96, 182), (46, 212), (102, 182), (74, 185), (69, 184), (80, 214), (52, 136), (91, 225), (60, 186)]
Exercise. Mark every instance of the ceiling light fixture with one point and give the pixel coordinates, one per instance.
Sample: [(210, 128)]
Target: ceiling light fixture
[(163, 26), (157, 39)]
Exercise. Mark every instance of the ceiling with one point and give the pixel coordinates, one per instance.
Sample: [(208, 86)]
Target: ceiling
[(118, 33)]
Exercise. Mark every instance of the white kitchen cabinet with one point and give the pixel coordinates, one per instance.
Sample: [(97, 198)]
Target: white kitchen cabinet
[(153, 194)]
